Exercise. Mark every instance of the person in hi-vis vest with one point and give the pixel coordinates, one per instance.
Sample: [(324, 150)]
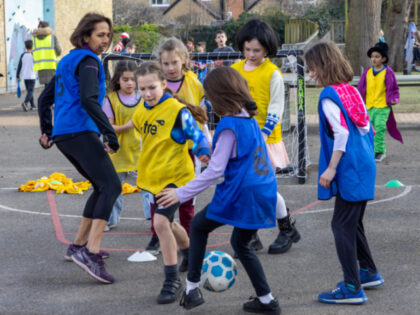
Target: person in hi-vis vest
[(45, 53)]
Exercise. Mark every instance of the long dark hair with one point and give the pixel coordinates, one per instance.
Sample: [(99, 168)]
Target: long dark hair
[(86, 26), (228, 92), (121, 67), (152, 67)]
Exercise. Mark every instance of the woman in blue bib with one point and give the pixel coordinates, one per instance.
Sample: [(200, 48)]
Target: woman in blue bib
[(78, 91), (247, 197)]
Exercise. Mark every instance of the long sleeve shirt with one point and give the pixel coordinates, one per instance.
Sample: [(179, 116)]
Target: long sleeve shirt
[(276, 105), (224, 150), (87, 72)]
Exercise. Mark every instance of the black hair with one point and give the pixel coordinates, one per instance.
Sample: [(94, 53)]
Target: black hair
[(86, 26), (219, 31), (121, 67), (261, 31), (29, 44), (125, 41)]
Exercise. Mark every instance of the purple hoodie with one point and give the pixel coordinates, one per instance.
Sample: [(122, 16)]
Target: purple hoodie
[(392, 94)]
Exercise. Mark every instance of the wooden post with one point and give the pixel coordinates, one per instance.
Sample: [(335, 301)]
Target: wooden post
[(346, 17)]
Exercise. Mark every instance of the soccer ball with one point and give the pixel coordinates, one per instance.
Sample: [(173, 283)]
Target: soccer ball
[(218, 272)]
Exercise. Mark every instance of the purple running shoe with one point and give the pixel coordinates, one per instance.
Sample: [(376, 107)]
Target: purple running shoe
[(93, 264)]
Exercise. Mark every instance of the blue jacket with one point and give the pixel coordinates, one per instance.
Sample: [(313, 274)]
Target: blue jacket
[(356, 171), (247, 197), (69, 114)]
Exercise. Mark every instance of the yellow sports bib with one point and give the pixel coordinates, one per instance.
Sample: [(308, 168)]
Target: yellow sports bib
[(126, 158), (259, 87), (375, 89), (162, 160), (192, 92)]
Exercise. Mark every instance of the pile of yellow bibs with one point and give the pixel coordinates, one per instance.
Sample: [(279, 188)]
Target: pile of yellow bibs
[(128, 189), (61, 184), (56, 181)]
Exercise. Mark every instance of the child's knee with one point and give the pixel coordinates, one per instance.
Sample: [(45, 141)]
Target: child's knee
[(161, 223)]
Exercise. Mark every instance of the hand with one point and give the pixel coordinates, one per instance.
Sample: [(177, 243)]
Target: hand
[(108, 149), (45, 142), (327, 177), (167, 197), (204, 158)]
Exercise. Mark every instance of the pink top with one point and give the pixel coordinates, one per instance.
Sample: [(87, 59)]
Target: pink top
[(126, 100)]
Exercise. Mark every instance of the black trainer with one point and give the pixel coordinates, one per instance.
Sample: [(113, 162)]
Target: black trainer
[(255, 306), (255, 242), (153, 246), (183, 266), (171, 290), (193, 299)]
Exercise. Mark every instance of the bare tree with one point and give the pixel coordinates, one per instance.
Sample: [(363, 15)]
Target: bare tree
[(396, 27), (133, 13), (362, 32)]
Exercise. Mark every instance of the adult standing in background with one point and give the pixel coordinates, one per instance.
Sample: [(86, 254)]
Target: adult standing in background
[(45, 53)]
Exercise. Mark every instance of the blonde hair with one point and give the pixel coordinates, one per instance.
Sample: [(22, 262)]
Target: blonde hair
[(326, 59), (174, 44)]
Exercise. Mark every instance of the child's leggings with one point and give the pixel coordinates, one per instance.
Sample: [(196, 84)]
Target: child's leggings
[(350, 239), (200, 229), (378, 118)]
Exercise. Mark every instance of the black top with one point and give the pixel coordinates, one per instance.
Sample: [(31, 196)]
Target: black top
[(87, 71)]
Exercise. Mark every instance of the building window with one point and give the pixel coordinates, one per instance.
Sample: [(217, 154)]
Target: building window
[(159, 3)]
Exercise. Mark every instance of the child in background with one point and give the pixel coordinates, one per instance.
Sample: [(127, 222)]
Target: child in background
[(130, 48), (347, 170), (124, 40), (379, 89), (119, 107), (165, 124), (257, 40), (190, 44), (175, 63), (247, 197), (202, 65), (26, 72), (221, 40)]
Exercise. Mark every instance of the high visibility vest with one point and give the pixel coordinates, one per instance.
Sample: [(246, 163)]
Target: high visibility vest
[(44, 53)]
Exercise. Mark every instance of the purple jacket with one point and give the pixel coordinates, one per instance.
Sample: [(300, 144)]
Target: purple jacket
[(392, 94)]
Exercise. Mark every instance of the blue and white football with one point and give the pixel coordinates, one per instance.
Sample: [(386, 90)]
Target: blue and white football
[(218, 272)]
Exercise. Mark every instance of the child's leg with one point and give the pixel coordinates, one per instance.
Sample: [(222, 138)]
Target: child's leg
[(186, 213), (246, 254), (166, 239), (363, 252), (379, 117), (180, 235), (29, 85), (344, 226), (200, 229), (114, 218)]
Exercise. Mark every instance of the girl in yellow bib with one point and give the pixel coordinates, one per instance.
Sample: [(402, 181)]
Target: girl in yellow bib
[(165, 124), (257, 40), (119, 107), (175, 63)]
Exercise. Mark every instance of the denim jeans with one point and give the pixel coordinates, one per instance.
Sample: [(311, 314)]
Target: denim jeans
[(114, 218), (29, 84)]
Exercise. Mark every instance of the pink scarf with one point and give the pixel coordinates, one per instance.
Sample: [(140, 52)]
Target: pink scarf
[(353, 103)]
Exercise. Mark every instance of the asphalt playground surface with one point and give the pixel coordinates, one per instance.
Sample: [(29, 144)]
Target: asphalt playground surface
[(35, 228)]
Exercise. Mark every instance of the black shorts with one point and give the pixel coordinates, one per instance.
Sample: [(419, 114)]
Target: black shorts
[(168, 212)]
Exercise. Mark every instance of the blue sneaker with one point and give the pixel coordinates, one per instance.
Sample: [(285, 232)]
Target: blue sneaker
[(343, 295), (368, 279)]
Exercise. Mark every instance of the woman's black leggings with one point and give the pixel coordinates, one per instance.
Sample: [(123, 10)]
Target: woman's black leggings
[(86, 152), (200, 229)]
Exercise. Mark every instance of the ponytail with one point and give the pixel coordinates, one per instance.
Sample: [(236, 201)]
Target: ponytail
[(197, 112)]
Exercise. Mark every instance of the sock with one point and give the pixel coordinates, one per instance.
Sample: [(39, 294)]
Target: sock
[(281, 209), (265, 299), (89, 252), (184, 252), (171, 272), (191, 286)]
